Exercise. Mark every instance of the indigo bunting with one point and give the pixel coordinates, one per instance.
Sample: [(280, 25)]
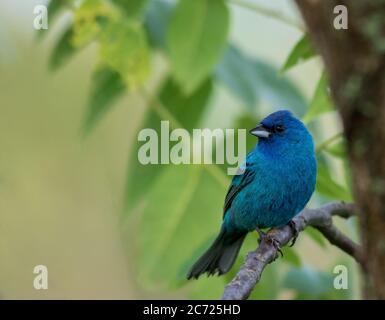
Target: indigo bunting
[(274, 184)]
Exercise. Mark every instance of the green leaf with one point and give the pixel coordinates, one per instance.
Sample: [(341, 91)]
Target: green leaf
[(107, 86), (321, 147), (327, 187), (84, 29), (156, 21), (291, 256), (337, 149), (87, 18), (301, 52), (237, 72), (171, 218), (312, 284), (55, 6), (123, 47), (132, 8), (308, 282), (63, 50), (196, 38), (316, 236), (321, 102), (278, 91), (252, 80), (188, 111), (246, 121)]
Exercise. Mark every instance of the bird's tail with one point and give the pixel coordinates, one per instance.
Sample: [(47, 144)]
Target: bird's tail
[(220, 257)]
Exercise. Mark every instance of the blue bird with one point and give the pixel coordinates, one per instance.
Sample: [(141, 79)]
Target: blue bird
[(274, 184)]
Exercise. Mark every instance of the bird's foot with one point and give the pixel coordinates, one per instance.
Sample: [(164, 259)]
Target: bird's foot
[(269, 238), (276, 244), (295, 230), (261, 234)]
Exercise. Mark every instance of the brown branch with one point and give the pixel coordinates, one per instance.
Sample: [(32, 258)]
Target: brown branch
[(256, 261)]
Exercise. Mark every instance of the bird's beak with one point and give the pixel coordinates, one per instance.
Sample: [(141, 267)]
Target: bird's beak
[(260, 131)]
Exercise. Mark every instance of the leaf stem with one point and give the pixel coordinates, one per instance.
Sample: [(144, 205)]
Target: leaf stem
[(328, 142), (274, 14)]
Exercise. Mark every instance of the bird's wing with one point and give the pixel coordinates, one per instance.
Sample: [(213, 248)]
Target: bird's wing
[(237, 184)]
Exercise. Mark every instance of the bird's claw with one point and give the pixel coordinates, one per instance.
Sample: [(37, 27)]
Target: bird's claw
[(269, 238), (261, 235), (276, 244), (293, 227)]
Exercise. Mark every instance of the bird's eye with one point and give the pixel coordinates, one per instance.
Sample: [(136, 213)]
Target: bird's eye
[(279, 128)]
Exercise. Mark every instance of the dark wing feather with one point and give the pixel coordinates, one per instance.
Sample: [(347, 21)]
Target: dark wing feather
[(238, 183)]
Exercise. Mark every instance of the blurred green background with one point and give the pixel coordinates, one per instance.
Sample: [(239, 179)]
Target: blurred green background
[(70, 196)]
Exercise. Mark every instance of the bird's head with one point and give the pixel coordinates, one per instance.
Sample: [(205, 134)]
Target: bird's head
[(282, 128)]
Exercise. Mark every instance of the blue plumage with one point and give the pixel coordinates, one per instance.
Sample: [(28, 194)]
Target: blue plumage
[(275, 183)]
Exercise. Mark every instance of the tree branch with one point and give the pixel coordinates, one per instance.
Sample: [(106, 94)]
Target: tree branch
[(321, 219)]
